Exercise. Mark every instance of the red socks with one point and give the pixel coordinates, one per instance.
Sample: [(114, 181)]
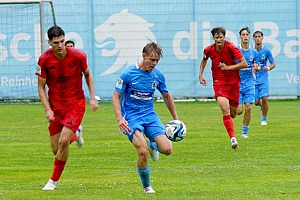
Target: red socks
[(228, 123), (59, 166), (74, 137)]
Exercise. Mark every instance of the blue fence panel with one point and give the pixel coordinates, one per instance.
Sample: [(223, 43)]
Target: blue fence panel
[(112, 33)]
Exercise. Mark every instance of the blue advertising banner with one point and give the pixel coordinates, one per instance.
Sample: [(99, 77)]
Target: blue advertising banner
[(113, 33)]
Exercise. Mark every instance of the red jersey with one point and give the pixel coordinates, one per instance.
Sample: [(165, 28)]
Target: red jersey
[(63, 77), (228, 55)]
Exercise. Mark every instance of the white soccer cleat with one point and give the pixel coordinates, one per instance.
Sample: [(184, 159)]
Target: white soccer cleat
[(50, 185), (149, 189), (263, 123), (245, 136), (79, 140), (153, 153), (234, 143)]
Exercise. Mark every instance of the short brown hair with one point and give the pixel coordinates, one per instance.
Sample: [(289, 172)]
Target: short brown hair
[(218, 30)]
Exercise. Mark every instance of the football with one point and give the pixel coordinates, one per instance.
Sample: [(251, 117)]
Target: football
[(175, 130)]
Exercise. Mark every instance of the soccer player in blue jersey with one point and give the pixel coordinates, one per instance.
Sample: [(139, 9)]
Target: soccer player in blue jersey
[(262, 77), (134, 110), (247, 85)]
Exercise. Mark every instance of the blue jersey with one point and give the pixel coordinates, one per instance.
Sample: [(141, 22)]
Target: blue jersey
[(247, 74), (137, 88), (264, 55)]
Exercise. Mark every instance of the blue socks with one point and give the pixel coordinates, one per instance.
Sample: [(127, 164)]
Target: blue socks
[(264, 118), (245, 129), (144, 176)]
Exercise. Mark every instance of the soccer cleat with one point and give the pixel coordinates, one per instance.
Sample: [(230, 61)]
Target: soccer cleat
[(263, 123), (234, 143), (50, 185), (149, 189), (79, 140), (153, 153), (244, 135)]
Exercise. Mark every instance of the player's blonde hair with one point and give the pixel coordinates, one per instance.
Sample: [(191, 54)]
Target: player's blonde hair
[(152, 47)]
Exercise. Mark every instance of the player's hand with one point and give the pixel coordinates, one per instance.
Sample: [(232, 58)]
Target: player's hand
[(202, 81), (50, 115), (123, 127), (266, 68), (223, 66), (256, 67), (94, 104)]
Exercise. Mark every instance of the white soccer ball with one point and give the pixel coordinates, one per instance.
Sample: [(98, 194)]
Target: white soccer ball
[(175, 130)]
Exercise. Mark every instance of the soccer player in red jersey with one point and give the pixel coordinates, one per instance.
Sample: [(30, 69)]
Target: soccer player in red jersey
[(61, 69), (226, 78)]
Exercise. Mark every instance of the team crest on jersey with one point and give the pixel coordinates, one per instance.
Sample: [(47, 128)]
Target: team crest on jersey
[(71, 65), (154, 84), (38, 70), (119, 83), (263, 57)]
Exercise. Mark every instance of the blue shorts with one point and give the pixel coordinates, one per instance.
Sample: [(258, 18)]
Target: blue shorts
[(247, 95), (150, 125), (262, 90)]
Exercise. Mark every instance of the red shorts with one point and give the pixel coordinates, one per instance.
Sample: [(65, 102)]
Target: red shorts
[(70, 117), (230, 91)]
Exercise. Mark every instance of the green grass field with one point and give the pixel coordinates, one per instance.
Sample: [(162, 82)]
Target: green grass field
[(202, 166)]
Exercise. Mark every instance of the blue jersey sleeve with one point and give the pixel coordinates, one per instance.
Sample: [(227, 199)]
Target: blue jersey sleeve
[(161, 85), (122, 83)]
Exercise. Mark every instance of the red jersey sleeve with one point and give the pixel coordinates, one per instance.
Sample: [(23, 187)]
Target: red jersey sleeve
[(207, 52), (236, 52), (40, 68)]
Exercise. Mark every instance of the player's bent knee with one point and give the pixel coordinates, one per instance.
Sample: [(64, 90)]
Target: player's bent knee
[(166, 150), (143, 155), (64, 143)]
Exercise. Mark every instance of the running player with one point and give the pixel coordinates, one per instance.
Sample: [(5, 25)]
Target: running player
[(134, 110), (262, 77), (61, 69), (226, 78), (247, 85)]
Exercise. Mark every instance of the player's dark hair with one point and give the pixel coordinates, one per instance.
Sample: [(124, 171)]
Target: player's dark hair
[(55, 31), (152, 47), (258, 32), (218, 30), (70, 42), (244, 29)]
